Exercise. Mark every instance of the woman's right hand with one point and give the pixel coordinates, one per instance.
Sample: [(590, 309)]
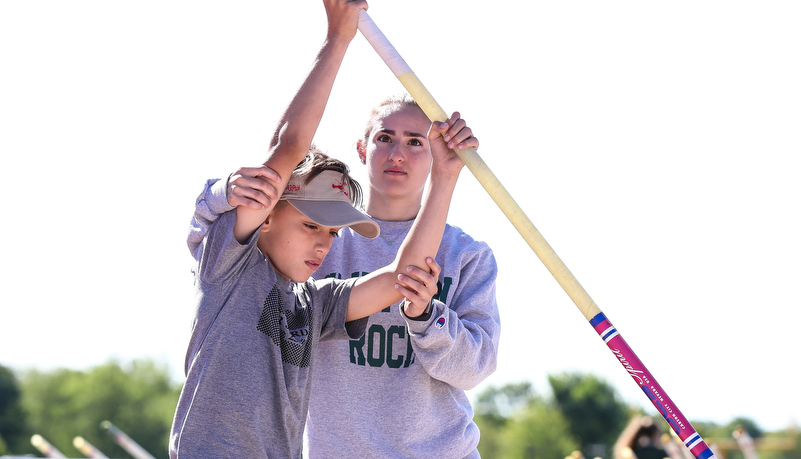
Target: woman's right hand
[(253, 187)]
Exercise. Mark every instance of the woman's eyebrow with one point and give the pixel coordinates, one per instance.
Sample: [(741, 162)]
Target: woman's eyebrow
[(405, 133)]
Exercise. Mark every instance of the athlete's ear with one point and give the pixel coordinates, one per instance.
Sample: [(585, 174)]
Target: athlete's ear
[(362, 150)]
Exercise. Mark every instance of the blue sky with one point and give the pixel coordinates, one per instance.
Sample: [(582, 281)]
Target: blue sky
[(655, 146)]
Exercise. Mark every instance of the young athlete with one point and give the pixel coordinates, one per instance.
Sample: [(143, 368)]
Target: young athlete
[(404, 371), (257, 323), (259, 320)]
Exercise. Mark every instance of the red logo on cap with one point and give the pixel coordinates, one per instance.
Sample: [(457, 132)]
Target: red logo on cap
[(340, 186)]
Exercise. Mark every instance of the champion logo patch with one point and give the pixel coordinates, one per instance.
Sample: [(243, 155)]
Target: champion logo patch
[(440, 322)]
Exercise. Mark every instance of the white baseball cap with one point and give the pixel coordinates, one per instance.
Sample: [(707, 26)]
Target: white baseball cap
[(326, 200)]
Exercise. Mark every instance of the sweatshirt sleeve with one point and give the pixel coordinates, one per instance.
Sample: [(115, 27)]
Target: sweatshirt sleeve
[(459, 343), (209, 205)]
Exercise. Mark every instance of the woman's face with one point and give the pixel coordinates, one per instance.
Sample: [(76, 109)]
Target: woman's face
[(397, 153)]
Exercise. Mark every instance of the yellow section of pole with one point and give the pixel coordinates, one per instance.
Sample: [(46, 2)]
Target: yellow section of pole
[(508, 206)]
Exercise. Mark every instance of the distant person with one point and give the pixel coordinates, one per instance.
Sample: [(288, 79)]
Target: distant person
[(641, 439)]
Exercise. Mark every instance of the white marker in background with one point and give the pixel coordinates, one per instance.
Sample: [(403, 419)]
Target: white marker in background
[(125, 441), (87, 448), (46, 448)]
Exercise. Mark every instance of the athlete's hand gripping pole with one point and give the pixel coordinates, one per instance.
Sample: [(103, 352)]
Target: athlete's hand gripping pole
[(541, 248)]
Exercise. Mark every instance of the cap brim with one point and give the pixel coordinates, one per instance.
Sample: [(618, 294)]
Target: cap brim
[(337, 214)]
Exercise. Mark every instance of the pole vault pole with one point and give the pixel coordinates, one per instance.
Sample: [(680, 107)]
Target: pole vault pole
[(126, 442), (542, 249), (87, 448), (46, 448), (745, 442)]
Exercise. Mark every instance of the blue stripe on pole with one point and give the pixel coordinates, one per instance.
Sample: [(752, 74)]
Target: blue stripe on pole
[(692, 440), (611, 333), (600, 317)]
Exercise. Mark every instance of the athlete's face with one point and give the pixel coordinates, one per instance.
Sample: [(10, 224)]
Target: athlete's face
[(397, 153), (295, 244)]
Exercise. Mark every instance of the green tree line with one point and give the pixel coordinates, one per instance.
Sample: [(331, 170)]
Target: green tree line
[(583, 418), (583, 415), (59, 405)]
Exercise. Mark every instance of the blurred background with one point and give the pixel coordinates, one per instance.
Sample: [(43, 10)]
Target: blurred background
[(655, 146)]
